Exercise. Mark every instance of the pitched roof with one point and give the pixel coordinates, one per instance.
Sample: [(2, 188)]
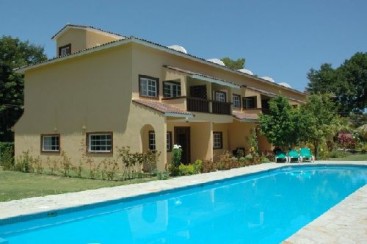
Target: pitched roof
[(204, 77), (85, 27), (242, 116), (165, 109)]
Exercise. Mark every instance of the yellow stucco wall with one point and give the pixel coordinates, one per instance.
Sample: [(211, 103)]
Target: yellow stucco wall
[(75, 37)]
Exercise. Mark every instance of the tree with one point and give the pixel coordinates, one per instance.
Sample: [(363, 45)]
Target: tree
[(318, 120), (234, 64), (279, 125), (348, 83), (14, 54)]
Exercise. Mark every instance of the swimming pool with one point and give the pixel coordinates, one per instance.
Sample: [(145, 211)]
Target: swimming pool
[(265, 207)]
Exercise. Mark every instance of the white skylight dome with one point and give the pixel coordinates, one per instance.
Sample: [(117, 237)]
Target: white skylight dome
[(178, 48), (268, 78), (285, 84), (246, 71), (216, 61)]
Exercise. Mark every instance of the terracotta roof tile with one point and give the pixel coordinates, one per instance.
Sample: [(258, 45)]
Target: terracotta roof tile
[(166, 109), (245, 116)]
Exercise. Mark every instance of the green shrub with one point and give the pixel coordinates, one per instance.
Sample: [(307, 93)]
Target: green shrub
[(337, 154), (188, 169), (7, 156), (162, 175), (24, 163), (198, 166)]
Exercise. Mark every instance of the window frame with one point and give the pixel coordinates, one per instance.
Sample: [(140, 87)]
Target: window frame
[(220, 93), (245, 99), (239, 100), (220, 134), (171, 84), (152, 143), (89, 144), (148, 78), (67, 47), (43, 150), (169, 141)]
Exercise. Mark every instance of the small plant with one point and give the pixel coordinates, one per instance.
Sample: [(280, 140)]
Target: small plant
[(7, 158), (186, 169), (162, 175), (176, 160), (24, 163), (65, 164), (38, 166)]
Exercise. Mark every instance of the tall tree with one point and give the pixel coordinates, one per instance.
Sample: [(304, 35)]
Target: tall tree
[(279, 125), (318, 120), (234, 64), (348, 83), (14, 54)]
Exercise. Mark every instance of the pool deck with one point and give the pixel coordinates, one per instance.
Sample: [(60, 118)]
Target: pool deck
[(344, 223)]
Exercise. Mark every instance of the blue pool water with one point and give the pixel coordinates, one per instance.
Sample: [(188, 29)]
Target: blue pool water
[(265, 207)]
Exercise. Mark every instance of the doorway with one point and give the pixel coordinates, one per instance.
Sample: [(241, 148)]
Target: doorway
[(182, 138)]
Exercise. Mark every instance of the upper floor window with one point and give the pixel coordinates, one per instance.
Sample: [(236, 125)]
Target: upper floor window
[(99, 142), (220, 96), (250, 102), (171, 89), (217, 140), (50, 143), (236, 101), (148, 86), (152, 145), (65, 50)]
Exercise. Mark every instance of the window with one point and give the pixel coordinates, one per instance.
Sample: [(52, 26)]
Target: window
[(50, 143), (220, 96), (171, 89), (217, 140), (99, 142), (65, 50), (250, 102), (169, 141), (148, 86), (152, 140), (236, 101)]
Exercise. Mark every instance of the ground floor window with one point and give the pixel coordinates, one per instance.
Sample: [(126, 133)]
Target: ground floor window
[(217, 140), (50, 143), (99, 142), (169, 141), (152, 146)]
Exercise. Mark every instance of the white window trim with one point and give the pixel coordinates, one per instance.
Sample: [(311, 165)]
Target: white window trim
[(238, 97), (220, 96), (43, 137), (147, 86), (99, 134), (171, 85)]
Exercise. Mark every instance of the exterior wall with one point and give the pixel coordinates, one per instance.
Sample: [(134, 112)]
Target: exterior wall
[(75, 37), (239, 133), (74, 97), (95, 39), (224, 129)]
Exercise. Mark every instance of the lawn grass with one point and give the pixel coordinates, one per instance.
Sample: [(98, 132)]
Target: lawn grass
[(351, 157), (17, 185)]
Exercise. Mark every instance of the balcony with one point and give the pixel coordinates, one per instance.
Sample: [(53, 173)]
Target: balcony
[(208, 106)]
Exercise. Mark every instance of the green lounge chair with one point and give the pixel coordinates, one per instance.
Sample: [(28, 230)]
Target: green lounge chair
[(280, 156), (293, 156), (306, 155)]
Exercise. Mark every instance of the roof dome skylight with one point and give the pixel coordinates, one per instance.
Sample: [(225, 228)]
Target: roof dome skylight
[(268, 78), (285, 84), (216, 61), (178, 48), (246, 71)]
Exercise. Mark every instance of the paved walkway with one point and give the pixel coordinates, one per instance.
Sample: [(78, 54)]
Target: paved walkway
[(345, 223)]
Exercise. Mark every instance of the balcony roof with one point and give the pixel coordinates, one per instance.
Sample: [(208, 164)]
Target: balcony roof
[(166, 109), (245, 117), (204, 77), (271, 94)]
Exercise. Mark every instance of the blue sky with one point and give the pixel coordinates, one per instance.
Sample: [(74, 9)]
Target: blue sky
[(282, 39)]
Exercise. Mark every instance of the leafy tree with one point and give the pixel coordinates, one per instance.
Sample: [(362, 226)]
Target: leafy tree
[(318, 120), (234, 64), (279, 125), (348, 83), (14, 54)]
